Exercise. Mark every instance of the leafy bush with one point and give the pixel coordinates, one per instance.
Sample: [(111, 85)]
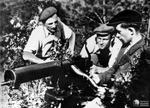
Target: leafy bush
[(18, 19)]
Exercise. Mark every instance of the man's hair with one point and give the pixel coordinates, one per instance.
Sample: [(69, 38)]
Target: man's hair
[(134, 25)]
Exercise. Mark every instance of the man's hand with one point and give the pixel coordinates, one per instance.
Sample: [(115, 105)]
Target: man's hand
[(97, 69), (101, 69), (95, 78), (100, 74), (96, 72)]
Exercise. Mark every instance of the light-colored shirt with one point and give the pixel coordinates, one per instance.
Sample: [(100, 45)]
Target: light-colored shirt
[(41, 42), (114, 50), (93, 47)]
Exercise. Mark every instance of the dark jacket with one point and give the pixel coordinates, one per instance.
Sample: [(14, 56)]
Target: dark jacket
[(133, 60)]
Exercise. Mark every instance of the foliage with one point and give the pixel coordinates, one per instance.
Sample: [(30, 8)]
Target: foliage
[(30, 95), (19, 19)]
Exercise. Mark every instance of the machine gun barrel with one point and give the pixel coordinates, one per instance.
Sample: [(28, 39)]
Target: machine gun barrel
[(33, 72)]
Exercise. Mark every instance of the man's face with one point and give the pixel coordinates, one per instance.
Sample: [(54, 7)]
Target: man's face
[(103, 42), (124, 34), (51, 23)]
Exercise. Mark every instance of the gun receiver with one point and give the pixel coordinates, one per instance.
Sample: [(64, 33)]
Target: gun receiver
[(20, 75)]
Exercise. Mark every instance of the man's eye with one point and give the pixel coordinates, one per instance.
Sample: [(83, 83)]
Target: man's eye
[(56, 22), (49, 24), (105, 39)]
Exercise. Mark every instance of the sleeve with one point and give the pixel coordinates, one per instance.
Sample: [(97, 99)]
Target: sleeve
[(115, 49), (90, 44), (83, 52), (33, 42)]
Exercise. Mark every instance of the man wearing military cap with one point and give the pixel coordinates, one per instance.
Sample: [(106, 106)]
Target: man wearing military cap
[(99, 47), (48, 37), (130, 58), (126, 16), (48, 12)]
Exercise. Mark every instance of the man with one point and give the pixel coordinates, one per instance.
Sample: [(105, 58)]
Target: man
[(130, 72), (49, 38), (97, 44), (100, 47), (47, 42), (131, 56)]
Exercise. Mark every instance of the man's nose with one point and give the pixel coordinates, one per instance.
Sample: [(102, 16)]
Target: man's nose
[(54, 25), (100, 41)]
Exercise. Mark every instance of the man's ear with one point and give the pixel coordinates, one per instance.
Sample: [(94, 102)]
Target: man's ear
[(132, 30)]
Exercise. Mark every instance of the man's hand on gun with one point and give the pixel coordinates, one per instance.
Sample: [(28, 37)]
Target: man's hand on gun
[(101, 90), (95, 71)]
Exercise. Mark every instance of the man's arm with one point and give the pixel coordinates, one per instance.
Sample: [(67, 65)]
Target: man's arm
[(33, 45), (72, 43), (31, 57), (103, 77), (115, 49)]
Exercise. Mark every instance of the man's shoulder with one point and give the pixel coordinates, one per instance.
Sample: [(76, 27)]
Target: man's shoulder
[(65, 29), (63, 26), (91, 39), (138, 45), (39, 28), (39, 31)]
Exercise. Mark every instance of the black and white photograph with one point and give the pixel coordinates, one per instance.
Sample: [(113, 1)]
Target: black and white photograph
[(74, 53)]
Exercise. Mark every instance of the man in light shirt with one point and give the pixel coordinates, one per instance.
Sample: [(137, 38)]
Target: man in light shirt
[(102, 48), (47, 39)]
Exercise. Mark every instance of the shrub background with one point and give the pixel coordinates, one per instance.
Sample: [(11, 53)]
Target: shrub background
[(19, 17)]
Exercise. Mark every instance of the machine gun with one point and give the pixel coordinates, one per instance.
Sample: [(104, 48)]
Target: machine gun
[(77, 67), (14, 77)]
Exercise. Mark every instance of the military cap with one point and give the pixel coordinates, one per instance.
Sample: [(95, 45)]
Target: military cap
[(126, 16), (104, 30), (48, 12)]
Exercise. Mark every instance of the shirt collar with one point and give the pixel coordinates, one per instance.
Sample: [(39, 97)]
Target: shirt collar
[(135, 39)]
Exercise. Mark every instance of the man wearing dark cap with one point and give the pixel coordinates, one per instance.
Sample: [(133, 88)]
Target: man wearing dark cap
[(48, 38), (130, 73), (131, 58), (99, 47)]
